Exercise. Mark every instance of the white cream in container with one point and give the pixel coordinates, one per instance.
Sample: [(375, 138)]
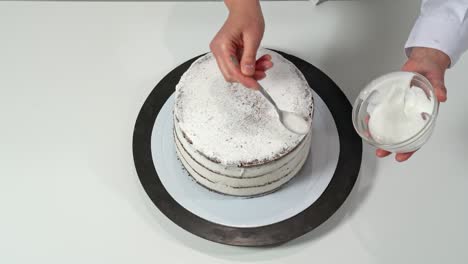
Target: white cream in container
[(396, 112)]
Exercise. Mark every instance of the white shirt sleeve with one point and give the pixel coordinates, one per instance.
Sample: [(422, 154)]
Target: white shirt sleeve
[(442, 25)]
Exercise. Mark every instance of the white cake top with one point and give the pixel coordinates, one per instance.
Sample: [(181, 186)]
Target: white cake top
[(233, 125)]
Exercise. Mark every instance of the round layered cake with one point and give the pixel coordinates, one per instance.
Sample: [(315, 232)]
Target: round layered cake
[(229, 138)]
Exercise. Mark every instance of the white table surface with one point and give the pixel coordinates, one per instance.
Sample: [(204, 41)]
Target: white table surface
[(73, 76)]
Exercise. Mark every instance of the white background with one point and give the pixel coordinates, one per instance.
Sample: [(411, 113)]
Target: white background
[(73, 76)]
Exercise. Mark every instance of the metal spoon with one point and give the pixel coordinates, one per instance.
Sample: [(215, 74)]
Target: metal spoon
[(293, 122)]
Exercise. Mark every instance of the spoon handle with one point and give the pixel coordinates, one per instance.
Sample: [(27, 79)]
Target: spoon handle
[(268, 97)]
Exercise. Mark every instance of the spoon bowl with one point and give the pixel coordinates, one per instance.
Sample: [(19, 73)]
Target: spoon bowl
[(295, 123), (292, 121)]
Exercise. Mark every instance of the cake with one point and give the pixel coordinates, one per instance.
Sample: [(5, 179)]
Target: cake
[(229, 138)]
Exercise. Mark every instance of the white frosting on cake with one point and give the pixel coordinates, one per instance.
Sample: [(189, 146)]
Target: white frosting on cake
[(245, 186), (229, 138), (234, 125), (233, 171)]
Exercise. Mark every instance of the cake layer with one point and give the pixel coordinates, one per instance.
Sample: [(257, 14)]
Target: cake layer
[(234, 171), (253, 186), (234, 126), (270, 172)]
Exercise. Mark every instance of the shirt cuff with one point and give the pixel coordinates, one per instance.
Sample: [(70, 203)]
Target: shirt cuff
[(440, 33)]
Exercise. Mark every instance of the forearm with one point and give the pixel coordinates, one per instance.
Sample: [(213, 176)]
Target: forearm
[(233, 5)]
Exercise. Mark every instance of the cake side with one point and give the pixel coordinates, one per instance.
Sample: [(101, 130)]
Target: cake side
[(245, 187), (234, 171)]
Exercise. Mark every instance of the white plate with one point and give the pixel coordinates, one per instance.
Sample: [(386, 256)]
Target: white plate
[(302, 191)]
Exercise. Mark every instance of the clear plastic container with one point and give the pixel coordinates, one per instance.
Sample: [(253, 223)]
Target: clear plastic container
[(367, 97)]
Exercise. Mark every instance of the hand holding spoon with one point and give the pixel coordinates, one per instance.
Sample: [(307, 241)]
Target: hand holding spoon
[(293, 122)]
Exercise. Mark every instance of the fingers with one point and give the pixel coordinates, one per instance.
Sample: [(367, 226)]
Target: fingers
[(259, 75), (263, 65), (382, 153), (400, 157), (440, 90), (230, 69), (224, 53), (227, 55), (266, 57), (249, 54), (235, 73)]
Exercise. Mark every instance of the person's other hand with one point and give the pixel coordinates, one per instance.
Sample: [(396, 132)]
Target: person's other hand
[(431, 63), (238, 41)]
